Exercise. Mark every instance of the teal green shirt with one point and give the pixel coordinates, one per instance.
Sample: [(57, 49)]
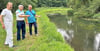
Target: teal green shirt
[(31, 18)]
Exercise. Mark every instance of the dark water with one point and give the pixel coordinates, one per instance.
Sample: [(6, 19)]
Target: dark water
[(80, 34)]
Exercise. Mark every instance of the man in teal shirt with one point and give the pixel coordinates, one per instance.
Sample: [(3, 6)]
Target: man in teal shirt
[(31, 19)]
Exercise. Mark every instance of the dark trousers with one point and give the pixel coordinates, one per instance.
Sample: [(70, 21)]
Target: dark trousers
[(35, 27), (20, 26)]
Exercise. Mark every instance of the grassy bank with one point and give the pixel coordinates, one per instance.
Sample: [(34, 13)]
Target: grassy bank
[(48, 40)]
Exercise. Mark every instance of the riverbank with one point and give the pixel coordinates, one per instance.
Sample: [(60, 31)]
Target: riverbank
[(48, 40)]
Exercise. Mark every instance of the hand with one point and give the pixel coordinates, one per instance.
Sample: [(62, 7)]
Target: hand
[(13, 24), (39, 16), (3, 26), (27, 15), (27, 23)]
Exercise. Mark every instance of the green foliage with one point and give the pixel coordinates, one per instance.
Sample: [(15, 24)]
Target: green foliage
[(18, 2), (97, 16), (85, 8), (95, 6), (77, 3), (83, 12), (70, 12), (34, 3), (51, 3)]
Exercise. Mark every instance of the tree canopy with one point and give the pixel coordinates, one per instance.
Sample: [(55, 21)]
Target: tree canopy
[(34, 3)]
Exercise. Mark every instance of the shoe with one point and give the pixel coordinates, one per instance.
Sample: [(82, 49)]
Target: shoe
[(18, 40), (6, 44), (13, 46), (36, 34), (30, 34)]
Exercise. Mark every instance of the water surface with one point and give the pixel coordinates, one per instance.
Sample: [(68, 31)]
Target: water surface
[(80, 34)]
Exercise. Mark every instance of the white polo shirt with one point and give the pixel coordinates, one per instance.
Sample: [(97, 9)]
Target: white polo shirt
[(7, 15), (18, 12)]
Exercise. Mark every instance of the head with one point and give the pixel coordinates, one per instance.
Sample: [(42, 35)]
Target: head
[(9, 5), (21, 7), (29, 7)]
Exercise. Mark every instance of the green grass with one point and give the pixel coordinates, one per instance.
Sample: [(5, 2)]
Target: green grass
[(48, 40)]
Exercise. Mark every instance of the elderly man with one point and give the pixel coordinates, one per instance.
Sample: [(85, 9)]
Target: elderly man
[(8, 24), (31, 19), (20, 22)]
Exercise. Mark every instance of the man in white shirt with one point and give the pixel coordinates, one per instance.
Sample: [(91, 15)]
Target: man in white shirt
[(7, 15), (20, 22)]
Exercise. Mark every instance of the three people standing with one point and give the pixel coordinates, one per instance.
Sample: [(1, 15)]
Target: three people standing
[(7, 24)]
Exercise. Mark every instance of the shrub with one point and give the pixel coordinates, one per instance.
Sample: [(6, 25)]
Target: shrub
[(83, 13), (70, 12), (97, 16)]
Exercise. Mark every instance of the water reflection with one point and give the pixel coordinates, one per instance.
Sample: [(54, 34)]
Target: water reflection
[(97, 43), (69, 21), (67, 35), (79, 33)]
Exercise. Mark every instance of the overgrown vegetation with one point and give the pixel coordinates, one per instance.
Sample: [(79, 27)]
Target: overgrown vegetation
[(85, 8)]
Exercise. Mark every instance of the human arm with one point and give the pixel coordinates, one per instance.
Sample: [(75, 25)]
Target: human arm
[(23, 15), (2, 23)]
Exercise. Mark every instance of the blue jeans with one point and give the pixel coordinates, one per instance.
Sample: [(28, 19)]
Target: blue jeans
[(21, 26), (35, 27)]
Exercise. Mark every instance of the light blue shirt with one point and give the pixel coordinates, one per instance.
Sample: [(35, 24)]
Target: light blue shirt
[(31, 18)]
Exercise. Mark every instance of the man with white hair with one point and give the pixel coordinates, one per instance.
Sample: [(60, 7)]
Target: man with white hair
[(20, 22), (32, 19), (8, 24)]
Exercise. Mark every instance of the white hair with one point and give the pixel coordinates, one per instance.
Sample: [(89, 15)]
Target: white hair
[(20, 6), (29, 5)]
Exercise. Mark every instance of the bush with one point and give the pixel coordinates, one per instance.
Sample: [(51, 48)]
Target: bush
[(97, 16), (83, 13), (70, 12)]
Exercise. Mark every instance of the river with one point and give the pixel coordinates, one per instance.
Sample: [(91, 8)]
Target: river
[(80, 34)]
